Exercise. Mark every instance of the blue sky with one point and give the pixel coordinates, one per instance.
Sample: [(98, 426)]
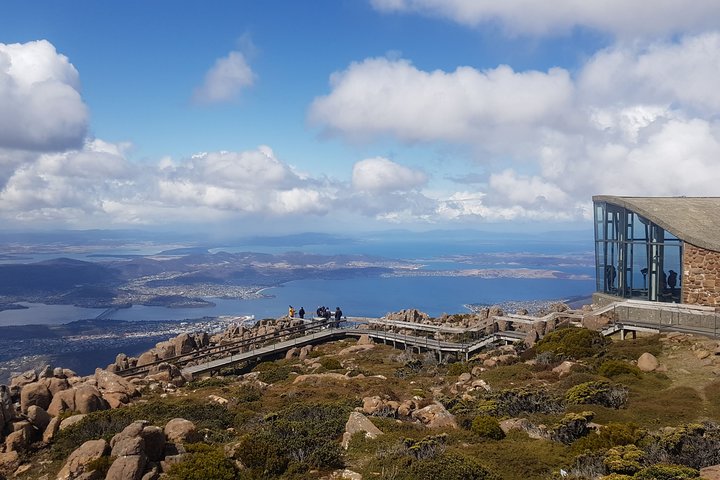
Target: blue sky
[(284, 115)]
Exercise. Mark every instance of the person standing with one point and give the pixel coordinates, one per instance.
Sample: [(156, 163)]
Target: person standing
[(291, 312), (338, 316), (301, 312)]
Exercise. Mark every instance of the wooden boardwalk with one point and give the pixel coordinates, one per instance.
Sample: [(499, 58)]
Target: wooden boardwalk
[(205, 361), (328, 334)]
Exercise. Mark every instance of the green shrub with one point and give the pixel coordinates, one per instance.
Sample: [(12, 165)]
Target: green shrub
[(106, 423), (624, 459), (295, 437), (449, 466), (427, 447), (330, 363), (273, 372), (210, 382), (572, 343), (666, 472), (203, 463), (523, 400), (487, 427), (693, 445), (613, 368), (571, 427), (458, 368), (247, 394), (598, 393), (611, 435)]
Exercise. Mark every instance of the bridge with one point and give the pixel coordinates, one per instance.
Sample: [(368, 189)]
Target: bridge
[(627, 315), (217, 357)]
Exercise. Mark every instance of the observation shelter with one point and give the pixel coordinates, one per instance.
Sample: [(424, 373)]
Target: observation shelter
[(664, 249)]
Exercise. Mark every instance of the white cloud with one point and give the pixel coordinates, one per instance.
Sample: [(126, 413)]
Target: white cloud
[(619, 17), (381, 174), (226, 79), (40, 104), (380, 96), (636, 119), (683, 74)]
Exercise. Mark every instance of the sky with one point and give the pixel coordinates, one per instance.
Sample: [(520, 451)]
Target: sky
[(282, 116)]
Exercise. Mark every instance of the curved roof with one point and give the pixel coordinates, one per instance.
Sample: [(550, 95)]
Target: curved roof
[(695, 220)]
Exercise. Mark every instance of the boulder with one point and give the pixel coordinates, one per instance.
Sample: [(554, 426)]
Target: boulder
[(184, 343), (372, 405), (20, 439), (128, 446), (78, 461), (357, 422), (130, 467), (154, 442), (72, 420), (16, 383), (647, 362), (35, 393), (564, 368), (435, 416), (108, 382), (52, 429), (291, 353), (88, 399), (531, 338), (61, 402), (56, 385), (9, 462), (134, 430), (147, 358), (710, 473), (179, 430), (406, 408), (38, 417), (116, 400)]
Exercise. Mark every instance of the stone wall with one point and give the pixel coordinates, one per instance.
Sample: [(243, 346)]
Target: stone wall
[(700, 276)]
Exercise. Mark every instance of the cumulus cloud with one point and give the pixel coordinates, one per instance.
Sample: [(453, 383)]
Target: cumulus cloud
[(383, 96), (381, 174), (636, 119), (226, 79), (40, 104), (619, 17)]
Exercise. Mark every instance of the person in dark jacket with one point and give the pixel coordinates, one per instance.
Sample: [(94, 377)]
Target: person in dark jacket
[(301, 312), (338, 316)]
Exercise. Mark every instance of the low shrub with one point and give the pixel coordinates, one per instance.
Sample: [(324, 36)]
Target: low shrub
[(571, 427), (106, 423), (693, 445), (487, 427), (449, 466), (666, 472), (613, 368), (458, 368), (598, 393), (273, 372), (572, 343), (524, 400), (203, 462), (330, 363), (611, 435), (298, 436), (624, 459)]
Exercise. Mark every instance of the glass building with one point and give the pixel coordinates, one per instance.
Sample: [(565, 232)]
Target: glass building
[(640, 244)]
